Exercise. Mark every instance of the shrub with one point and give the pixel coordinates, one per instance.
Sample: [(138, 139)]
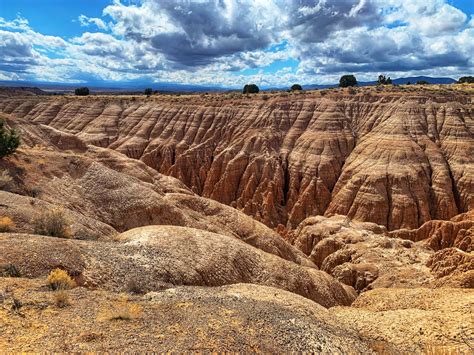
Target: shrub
[(296, 87), (134, 287), (9, 140), (6, 224), (59, 279), (148, 91), (6, 181), (422, 82), (466, 79), (33, 191), (61, 298), (347, 80), (53, 223), (11, 270), (84, 91), (16, 304), (122, 310), (250, 89)]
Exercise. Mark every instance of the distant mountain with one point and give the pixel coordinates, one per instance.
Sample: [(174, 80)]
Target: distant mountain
[(138, 87), (20, 90), (429, 79), (399, 81), (110, 87)]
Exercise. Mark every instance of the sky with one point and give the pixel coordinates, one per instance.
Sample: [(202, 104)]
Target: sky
[(230, 43)]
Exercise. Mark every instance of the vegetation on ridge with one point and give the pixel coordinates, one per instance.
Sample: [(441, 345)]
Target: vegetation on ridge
[(347, 80), (9, 140)]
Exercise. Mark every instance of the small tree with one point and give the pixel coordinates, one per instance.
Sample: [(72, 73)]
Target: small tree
[(9, 140), (383, 80), (347, 80), (84, 91), (296, 87), (148, 91), (251, 89), (466, 79)]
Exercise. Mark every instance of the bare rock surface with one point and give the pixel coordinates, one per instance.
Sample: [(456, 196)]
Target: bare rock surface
[(453, 267), (159, 257), (394, 158), (458, 233), (417, 320), (370, 191), (104, 192), (362, 255)]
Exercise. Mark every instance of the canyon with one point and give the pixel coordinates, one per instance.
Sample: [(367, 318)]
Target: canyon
[(332, 221), (391, 157)]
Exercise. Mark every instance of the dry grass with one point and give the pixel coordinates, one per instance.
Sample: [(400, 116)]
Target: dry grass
[(53, 223), (122, 309), (6, 224), (6, 181), (60, 280), (10, 270), (61, 298)]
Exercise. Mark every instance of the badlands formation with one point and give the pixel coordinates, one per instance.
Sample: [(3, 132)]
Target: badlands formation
[(336, 221)]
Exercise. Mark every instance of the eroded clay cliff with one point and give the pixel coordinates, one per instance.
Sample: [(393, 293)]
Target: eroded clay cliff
[(392, 157)]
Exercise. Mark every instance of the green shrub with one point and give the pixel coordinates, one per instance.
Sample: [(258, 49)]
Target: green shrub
[(466, 79), (148, 91), (250, 89), (9, 140), (84, 91), (347, 80), (296, 87)]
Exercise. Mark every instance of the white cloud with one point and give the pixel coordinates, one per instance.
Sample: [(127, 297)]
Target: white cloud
[(87, 21), (18, 23), (204, 42)]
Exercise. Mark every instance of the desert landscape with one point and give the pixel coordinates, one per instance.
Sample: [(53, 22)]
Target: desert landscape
[(237, 176), (335, 221)]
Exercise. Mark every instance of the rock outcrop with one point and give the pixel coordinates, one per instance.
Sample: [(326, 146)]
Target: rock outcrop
[(362, 255), (104, 193), (458, 233), (413, 320), (161, 257), (394, 158), (453, 267)]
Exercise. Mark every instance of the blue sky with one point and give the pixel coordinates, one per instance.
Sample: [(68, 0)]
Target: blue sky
[(233, 42)]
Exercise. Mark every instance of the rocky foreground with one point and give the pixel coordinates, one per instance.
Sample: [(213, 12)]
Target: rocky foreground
[(158, 266)]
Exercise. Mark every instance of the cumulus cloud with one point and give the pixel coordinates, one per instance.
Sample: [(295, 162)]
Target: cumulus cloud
[(87, 21), (314, 21), (197, 33), (18, 23), (214, 42)]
